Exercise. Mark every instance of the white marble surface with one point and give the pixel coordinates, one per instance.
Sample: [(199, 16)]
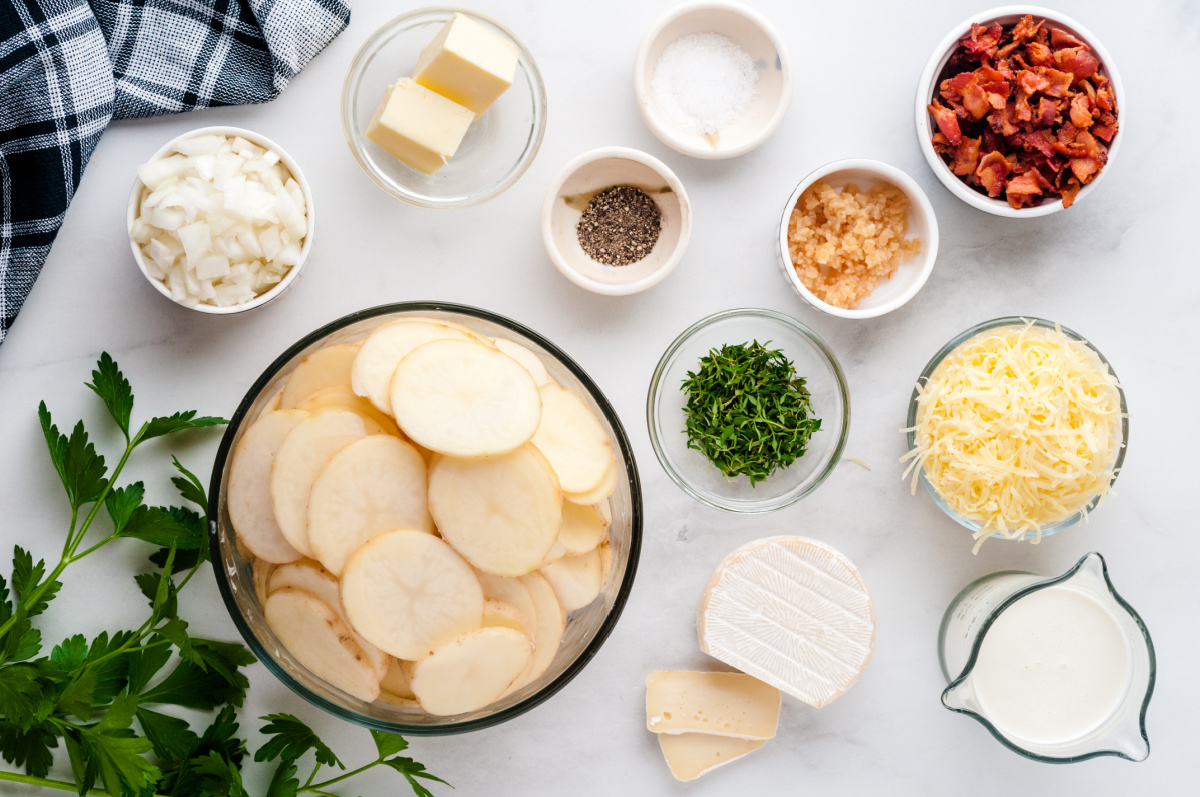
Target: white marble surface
[(1119, 267)]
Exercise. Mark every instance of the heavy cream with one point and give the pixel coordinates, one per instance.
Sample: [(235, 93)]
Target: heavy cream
[(1053, 667)]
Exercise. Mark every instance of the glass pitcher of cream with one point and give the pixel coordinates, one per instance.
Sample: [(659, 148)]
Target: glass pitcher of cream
[(1058, 669)]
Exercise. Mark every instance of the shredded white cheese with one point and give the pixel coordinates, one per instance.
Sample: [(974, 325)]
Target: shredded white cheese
[(1017, 429)]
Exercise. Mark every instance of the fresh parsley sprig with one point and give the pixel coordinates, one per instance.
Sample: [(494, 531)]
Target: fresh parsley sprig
[(747, 411), (100, 699)]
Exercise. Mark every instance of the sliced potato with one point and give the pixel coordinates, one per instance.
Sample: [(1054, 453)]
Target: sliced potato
[(604, 490), (576, 580), (322, 369), (305, 450), (533, 364), (262, 580), (551, 622), (583, 528), (272, 403), (573, 440), (498, 614), (309, 576), (342, 397), (510, 591), (317, 638), (381, 352), (374, 484), (557, 551), (408, 592), (471, 671), (465, 399), (396, 700), (502, 513), (250, 507), (395, 683), (605, 561)]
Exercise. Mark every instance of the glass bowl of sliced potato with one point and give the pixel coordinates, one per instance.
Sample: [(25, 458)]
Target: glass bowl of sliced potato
[(425, 518)]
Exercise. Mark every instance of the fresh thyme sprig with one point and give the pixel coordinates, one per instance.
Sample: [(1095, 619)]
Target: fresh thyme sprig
[(747, 411), (96, 698)]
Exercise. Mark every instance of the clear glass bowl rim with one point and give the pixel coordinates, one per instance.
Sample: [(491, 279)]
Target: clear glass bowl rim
[(967, 334), (973, 658), (354, 72), (652, 421), (450, 728)]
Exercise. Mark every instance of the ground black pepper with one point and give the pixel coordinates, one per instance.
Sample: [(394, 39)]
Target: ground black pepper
[(620, 226)]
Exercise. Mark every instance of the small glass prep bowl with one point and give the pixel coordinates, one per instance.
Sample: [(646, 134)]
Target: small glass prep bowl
[(498, 147), (813, 360), (586, 628), (945, 352)]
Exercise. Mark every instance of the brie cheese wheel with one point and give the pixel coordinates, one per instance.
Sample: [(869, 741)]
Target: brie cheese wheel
[(794, 613)]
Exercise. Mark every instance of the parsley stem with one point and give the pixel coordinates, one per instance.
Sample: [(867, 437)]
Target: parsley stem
[(93, 549), (326, 784), (47, 783), (312, 775)]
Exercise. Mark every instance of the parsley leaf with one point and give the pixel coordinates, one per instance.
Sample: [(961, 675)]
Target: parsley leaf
[(388, 743), (22, 641), (79, 467), (290, 739), (117, 751), (71, 654), (189, 486), (222, 657), (168, 527), (28, 747), (169, 424), (411, 770), (122, 502), (284, 782), (145, 664), (77, 698), (190, 686), (113, 389), (27, 577), (112, 671), (170, 737)]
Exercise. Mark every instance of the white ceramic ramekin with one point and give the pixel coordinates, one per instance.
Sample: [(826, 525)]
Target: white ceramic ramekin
[(135, 201), (588, 175), (922, 223), (927, 88)]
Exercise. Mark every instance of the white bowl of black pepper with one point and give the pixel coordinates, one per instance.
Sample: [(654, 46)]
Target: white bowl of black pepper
[(616, 221)]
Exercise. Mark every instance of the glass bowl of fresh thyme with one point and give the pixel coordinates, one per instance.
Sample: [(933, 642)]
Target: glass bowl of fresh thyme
[(748, 410)]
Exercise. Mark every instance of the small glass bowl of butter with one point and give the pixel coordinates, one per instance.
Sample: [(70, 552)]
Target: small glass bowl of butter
[(403, 119)]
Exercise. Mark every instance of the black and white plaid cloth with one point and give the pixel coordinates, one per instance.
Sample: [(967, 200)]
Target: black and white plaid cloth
[(69, 66)]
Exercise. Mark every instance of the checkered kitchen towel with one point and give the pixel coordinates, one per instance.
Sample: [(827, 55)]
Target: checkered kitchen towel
[(69, 66)]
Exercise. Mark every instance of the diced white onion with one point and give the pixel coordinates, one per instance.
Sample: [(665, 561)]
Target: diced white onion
[(223, 220)]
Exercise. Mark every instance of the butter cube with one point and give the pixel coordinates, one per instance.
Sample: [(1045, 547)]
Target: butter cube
[(468, 63), (418, 126)]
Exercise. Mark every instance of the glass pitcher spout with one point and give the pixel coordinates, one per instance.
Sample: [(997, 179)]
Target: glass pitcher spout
[(1119, 732)]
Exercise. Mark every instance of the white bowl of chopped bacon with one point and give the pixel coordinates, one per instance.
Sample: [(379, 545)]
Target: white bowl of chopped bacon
[(1019, 111)]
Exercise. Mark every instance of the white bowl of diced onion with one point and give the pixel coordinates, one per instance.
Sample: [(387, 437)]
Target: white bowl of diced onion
[(255, 203)]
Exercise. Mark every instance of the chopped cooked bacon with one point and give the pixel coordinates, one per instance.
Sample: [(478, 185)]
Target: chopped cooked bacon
[(1060, 38), (966, 157), (1078, 61), (991, 171), (1024, 112), (947, 122)]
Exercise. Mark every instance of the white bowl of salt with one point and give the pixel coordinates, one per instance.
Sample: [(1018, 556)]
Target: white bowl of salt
[(712, 79)]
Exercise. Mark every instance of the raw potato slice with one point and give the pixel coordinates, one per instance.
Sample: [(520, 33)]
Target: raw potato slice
[(317, 638), (342, 397), (408, 592), (396, 700), (510, 591), (301, 456), (604, 490), (394, 682), (272, 404), (498, 614), (533, 363), (573, 440), (250, 508), (502, 514), (690, 755), (465, 399), (583, 528), (381, 352), (321, 369), (576, 580), (558, 551), (605, 561), (551, 622), (471, 671), (309, 576), (373, 485), (262, 580)]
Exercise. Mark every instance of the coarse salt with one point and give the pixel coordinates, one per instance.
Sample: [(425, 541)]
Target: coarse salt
[(703, 82)]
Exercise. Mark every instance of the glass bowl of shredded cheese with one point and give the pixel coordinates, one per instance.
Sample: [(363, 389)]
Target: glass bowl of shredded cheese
[(1017, 428)]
